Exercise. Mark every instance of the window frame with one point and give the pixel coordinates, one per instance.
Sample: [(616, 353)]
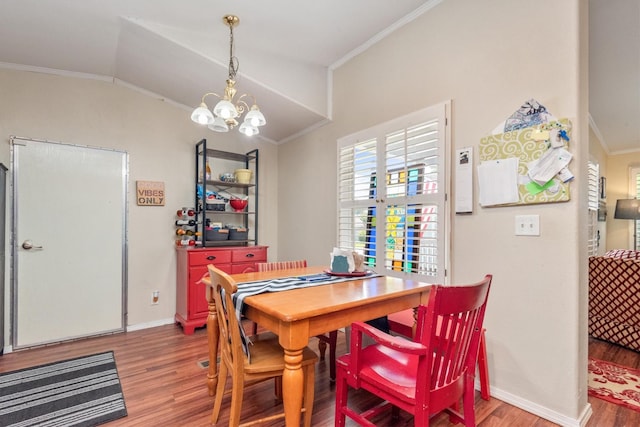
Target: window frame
[(380, 133)]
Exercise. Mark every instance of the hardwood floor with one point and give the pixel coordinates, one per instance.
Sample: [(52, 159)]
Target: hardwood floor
[(164, 385)]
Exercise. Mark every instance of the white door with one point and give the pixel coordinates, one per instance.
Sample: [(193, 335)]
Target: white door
[(68, 241)]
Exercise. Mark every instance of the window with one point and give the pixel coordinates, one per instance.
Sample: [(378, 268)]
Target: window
[(593, 171), (392, 194)]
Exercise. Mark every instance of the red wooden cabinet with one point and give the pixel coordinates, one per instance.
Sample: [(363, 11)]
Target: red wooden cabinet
[(191, 299)]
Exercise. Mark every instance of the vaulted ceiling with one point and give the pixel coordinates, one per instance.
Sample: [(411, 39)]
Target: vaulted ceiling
[(179, 50)]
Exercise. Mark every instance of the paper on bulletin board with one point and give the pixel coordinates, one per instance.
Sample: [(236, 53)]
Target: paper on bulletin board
[(498, 181), (464, 180), (526, 147)]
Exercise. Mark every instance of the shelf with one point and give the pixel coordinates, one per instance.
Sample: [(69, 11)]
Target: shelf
[(227, 184), (223, 160), (229, 156), (214, 243), (228, 212)]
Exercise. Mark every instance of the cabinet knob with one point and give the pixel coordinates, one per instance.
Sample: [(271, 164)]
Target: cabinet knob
[(211, 257), (250, 255)]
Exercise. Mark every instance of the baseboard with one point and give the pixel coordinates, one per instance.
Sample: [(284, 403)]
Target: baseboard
[(585, 415), (542, 411), (139, 326), (130, 328)]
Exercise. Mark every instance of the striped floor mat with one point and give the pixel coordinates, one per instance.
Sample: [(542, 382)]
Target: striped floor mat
[(82, 392)]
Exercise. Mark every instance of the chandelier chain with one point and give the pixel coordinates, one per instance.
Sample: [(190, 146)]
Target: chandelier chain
[(233, 61)]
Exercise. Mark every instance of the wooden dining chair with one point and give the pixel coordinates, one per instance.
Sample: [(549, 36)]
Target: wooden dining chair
[(330, 339), (426, 375), (266, 357), (403, 323)]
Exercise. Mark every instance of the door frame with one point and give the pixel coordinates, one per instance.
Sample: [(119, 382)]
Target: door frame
[(14, 243)]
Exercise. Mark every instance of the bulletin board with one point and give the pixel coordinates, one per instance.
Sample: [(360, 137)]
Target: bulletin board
[(521, 145)]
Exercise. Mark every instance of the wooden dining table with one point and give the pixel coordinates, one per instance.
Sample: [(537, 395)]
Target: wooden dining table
[(298, 314)]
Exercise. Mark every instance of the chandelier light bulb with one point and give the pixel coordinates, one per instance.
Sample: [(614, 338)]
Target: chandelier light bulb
[(225, 109), (247, 129), (255, 116), (202, 115)]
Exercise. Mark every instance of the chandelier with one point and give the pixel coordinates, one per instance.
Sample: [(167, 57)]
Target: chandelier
[(227, 111)]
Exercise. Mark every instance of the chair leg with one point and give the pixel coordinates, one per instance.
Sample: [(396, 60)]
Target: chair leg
[(277, 388), (341, 397), (420, 418), (395, 414), (483, 369), (333, 339), (237, 394), (222, 381), (322, 346), (347, 337), (468, 402)]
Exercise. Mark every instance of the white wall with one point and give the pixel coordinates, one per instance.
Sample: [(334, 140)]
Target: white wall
[(160, 139), (487, 57)]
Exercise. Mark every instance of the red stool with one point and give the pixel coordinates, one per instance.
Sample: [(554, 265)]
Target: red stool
[(402, 323)]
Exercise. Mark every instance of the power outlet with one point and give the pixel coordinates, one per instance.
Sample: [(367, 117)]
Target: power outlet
[(155, 297), (527, 225)]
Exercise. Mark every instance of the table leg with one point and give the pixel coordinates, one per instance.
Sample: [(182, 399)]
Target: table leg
[(292, 386), (212, 337)]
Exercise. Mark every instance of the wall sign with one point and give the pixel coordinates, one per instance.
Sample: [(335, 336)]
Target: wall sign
[(150, 193)]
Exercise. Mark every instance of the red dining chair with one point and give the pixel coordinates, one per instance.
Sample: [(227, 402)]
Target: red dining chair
[(427, 375), (281, 265), (329, 339), (403, 323)]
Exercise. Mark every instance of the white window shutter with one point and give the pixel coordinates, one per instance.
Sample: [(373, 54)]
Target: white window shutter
[(391, 194)]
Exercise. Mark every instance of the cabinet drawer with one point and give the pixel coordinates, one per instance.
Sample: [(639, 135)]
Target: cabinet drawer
[(209, 257), (251, 254)]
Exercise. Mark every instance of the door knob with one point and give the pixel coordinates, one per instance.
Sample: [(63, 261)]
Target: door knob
[(28, 244)]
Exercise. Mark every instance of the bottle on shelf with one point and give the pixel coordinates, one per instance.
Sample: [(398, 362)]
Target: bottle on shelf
[(183, 232), (184, 212), (186, 242)]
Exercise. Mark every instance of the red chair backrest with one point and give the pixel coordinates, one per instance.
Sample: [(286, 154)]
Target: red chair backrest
[(281, 265), (450, 325)]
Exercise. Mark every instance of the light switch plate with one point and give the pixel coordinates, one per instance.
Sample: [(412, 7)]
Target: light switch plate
[(527, 225)]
